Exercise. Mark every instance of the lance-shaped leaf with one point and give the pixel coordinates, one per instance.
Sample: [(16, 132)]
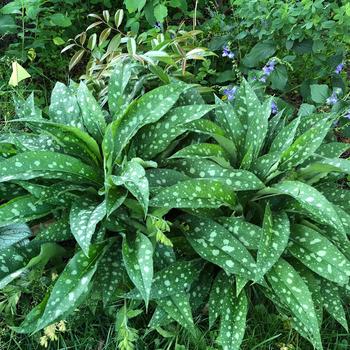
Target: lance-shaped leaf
[(159, 318), (195, 193), (237, 180), (177, 306), (332, 302), (83, 218), (305, 145), (93, 118), (12, 234), (204, 150), (64, 107), (156, 137), (230, 122), (71, 287), (293, 293), (325, 166), (57, 231), (214, 243), (27, 108), (148, 109), (117, 99), (10, 190), (220, 289), (249, 234), (274, 240), (110, 274), (285, 137), (23, 209), (319, 254), (164, 177), (336, 195), (312, 201), (233, 321), (138, 262), (71, 140), (133, 177), (52, 165)]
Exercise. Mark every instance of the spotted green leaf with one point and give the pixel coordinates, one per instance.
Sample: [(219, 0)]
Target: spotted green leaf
[(164, 177), (246, 232), (13, 233), (233, 321), (333, 303), (46, 164), (336, 195), (148, 109), (319, 254), (156, 137), (83, 218), (204, 150), (294, 294), (23, 209), (195, 193), (27, 108), (221, 288), (229, 120), (305, 145), (117, 99), (214, 243), (274, 240), (92, 115), (236, 180), (71, 287), (57, 231), (325, 166), (64, 107), (133, 177), (312, 201), (177, 306), (138, 260), (285, 137)]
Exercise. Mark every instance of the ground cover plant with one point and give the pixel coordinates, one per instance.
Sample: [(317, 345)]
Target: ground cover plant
[(188, 189)]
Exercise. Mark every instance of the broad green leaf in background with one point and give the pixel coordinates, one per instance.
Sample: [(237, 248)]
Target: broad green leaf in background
[(83, 218), (214, 243), (319, 93), (292, 291), (260, 52), (195, 193), (138, 260)]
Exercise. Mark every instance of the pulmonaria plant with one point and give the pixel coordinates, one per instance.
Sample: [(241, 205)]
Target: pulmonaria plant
[(245, 205)]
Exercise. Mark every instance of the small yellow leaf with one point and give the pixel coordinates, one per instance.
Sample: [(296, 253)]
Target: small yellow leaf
[(18, 74)]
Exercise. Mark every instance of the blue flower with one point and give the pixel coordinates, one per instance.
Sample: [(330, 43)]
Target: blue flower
[(226, 52), (230, 93), (274, 108), (339, 68), (157, 25), (347, 115), (332, 100), (268, 69)]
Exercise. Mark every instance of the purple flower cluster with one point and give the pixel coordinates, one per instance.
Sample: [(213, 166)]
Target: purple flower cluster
[(226, 52), (268, 69), (274, 108), (230, 93), (339, 68), (332, 100)]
